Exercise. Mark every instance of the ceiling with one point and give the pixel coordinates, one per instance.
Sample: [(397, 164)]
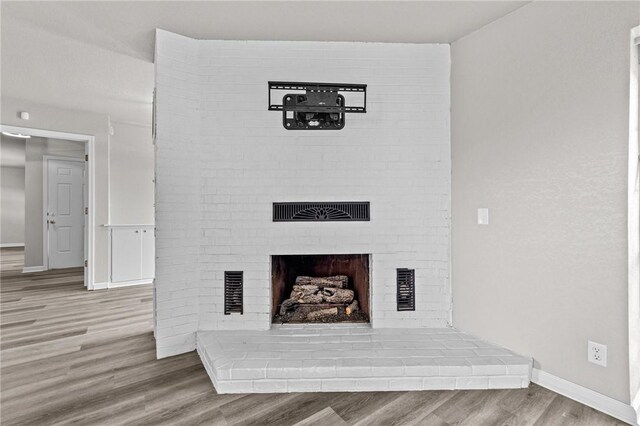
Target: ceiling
[(97, 55)]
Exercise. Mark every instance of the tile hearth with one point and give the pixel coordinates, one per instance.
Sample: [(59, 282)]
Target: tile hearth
[(352, 357)]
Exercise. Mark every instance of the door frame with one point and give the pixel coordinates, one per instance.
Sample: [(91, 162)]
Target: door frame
[(633, 225), (90, 141), (45, 204)]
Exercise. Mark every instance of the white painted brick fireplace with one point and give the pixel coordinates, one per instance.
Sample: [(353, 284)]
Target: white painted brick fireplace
[(223, 159)]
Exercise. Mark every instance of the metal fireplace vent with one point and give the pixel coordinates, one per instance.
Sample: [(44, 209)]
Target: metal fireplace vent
[(321, 212), (233, 292), (406, 297)]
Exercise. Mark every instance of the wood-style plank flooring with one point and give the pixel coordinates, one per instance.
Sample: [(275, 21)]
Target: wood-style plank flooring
[(73, 356)]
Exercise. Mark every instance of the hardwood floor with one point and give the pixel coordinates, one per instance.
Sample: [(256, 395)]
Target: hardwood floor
[(73, 356)]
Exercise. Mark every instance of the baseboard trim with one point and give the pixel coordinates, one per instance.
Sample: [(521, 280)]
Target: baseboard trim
[(586, 396), (11, 245), (635, 403), (29, 269), (99, 286), (130, 283), (107, 285)]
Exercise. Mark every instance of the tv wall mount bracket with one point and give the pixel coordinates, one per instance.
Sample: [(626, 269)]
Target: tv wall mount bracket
[(316, 106)]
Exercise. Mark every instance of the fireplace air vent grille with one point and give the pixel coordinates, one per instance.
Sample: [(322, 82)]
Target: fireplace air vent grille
[(406, 295), (348, 211), (233, 281)]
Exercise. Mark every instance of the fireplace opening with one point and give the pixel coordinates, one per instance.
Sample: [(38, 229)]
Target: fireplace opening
[(320, 288)]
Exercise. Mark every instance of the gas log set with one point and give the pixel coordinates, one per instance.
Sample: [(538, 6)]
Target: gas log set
[(321, 299)]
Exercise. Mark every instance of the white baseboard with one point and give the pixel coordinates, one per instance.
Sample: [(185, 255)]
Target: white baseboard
[(99, 286), (28, 269), (130, 283), (635, 403), (9, 245), (586, 396), (106, 285)]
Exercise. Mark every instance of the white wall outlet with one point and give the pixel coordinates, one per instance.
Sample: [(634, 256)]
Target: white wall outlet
[(597, 353), (483, 216)]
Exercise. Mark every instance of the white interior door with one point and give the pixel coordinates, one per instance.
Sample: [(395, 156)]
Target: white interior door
[(65, 216)]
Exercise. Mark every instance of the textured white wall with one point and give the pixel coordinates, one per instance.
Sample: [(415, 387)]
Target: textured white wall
[(540, 131), (177, 213), (241, 160), (12, 211), (130, 174)]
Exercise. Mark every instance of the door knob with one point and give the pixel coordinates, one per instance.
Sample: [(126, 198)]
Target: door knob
[(52, 222)]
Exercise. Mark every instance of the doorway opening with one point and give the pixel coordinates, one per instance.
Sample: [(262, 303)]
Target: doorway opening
[(58, 199)]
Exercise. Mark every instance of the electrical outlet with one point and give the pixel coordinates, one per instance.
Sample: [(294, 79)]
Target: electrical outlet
[(597, 353)]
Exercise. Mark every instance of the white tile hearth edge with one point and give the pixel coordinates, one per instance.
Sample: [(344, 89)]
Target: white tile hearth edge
[(356, 358)]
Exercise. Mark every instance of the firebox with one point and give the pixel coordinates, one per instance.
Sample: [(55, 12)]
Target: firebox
[(320, 288)]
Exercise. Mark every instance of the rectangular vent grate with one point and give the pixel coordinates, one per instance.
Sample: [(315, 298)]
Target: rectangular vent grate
[(349, 211), (233, 292), (406, 297)]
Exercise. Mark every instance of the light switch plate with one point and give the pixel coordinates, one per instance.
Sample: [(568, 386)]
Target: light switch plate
[(483, 216)]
